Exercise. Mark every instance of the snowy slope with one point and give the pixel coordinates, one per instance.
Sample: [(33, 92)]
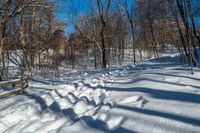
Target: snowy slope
[(154, 96)]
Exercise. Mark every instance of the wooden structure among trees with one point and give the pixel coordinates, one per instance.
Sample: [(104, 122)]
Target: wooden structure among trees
[(21, 84)]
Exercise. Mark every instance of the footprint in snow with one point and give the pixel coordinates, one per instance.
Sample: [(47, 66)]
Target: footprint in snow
[(111, 122), (134, 100)]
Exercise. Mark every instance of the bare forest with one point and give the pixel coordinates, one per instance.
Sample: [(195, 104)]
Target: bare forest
[(33, 38)]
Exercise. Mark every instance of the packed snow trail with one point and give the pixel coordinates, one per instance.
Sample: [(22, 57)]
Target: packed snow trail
[(148, 97)]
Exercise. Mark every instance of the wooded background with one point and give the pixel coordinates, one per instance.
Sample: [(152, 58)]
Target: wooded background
[(33, 38)]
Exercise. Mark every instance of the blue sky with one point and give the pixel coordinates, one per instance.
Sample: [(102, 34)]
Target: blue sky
[(82, 6)]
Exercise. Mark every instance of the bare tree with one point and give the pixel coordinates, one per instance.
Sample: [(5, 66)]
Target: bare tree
[(104, 18)]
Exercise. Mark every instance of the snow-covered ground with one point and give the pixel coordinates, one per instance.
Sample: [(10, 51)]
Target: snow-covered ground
[(158, 95)]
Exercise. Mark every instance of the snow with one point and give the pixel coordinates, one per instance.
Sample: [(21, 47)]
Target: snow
[(157, 95)]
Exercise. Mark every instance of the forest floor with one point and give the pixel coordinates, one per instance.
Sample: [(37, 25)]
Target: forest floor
[(157, 95)]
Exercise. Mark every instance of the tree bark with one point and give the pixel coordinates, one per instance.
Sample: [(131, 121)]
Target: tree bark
[(103, 18)]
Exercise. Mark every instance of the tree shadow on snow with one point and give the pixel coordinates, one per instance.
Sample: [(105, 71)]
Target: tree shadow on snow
[(158, 81), (183, 119), (173, 75), (38, 100), (162, 94), (100, 125)]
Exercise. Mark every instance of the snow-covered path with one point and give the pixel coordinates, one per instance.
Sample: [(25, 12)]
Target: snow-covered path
[(148, 97)]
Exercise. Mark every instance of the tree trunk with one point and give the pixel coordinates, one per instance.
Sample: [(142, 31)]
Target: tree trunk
[(103, 18)]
